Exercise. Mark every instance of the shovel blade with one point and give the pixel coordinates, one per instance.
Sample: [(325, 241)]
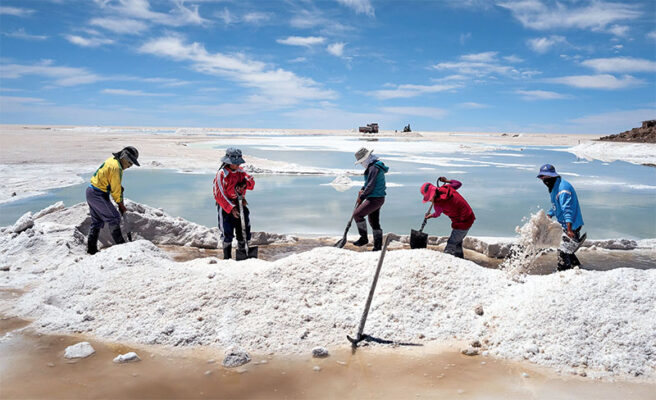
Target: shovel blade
[(418, 240), (340, 243), (241, 254)]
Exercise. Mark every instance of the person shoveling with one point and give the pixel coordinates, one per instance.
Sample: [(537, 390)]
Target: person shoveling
[(229, 188), (565, 206), (447, 200), (107, 179), (371, 198)]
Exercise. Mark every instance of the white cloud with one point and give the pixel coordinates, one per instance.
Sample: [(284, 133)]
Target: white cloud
[(137, 93), (604, 81), (359, 6), (513, 59), (120, 25), (619, 30), (88, 42), (592, 15), (256, 17), (482, 64), (472, 105), (544, 44), (272, 84), (408, 90), (651, 35), (140, 9), (540, 95), (20, 100), (336, 49), (464, 37), (15, 11), (429, 112), (298, 60), (620, 65), (21, 34), (63, 76), (307, 41)]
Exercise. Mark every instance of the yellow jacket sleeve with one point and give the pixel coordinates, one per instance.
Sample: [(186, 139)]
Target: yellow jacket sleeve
[(115, 178)]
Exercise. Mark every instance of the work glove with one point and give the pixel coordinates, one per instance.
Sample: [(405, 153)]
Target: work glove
[(121, 208), (235, 212)]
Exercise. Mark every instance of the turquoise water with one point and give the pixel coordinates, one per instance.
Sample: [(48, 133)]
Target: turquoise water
[(617, 199)]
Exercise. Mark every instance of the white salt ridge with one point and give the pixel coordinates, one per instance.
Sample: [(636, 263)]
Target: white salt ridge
[(342, 183), (636, 153), (136, 293)]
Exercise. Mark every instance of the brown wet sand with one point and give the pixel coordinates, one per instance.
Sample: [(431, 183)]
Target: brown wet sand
[(33, 366)]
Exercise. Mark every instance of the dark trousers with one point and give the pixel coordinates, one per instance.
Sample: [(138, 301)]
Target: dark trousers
[(101, 208), (566, 257), (371, 208), (454, 244), (229, 226)]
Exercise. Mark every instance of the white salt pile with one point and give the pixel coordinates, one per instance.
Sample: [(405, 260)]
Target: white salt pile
[(604, 322), (342, 183), (79, 350), (536, 235)]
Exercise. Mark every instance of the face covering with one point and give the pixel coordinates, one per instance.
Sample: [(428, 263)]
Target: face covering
[(372, 158), (550, 182)]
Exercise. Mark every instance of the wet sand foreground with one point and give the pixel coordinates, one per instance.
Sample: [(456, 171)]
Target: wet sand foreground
[(33, 366)]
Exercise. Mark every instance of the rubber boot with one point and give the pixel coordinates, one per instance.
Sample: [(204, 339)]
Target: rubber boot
[(575, 261), (92, 241), (117, 235), (227, 251), (378, 240), (362, 230), (564, 261)]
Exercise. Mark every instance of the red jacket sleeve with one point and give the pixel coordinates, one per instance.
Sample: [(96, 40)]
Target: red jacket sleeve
[(219, 189), (250, 182)]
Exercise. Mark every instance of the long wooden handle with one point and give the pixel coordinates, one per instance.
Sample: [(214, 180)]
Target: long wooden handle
[(423, 224), (363, 320)]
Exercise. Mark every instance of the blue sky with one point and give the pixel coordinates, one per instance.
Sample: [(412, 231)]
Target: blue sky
[(573, 66)]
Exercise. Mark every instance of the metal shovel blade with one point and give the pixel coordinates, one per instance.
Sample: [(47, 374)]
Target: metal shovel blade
[(241, 254), (418, 239), (340, 243)]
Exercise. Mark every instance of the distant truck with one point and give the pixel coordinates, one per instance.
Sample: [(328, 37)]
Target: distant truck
[(370, 128)]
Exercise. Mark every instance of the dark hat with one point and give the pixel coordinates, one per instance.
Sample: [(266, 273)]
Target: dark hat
[(130, 153), (362, 154), (547, 170), (233, 156)]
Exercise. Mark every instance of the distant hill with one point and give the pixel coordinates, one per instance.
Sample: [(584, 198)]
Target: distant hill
[(645, 134)]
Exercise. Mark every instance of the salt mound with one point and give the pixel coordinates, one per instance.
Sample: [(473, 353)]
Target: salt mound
[(601, 321), (342, 183), (536, 235)]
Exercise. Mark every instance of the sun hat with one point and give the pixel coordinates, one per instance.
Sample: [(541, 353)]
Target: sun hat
[(547, 170), (362, 155), (233, 156), (130, 153), (428, 191)]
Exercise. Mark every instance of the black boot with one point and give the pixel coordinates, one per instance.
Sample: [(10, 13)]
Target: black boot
[(362, 230), (378, 239), (564, 261), (92, 241), (575, 261), (227, 252), (117, 235)]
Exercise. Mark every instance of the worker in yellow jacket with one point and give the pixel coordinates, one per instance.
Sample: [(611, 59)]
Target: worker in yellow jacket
[(105, 181)]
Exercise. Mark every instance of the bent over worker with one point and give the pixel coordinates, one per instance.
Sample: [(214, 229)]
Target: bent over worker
[(565, 206), (370, 197), (447, 200), (231, 181), (107, 179)]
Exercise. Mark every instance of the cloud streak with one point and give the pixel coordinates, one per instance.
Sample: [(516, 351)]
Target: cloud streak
[(620, 65), (602, 81), (307, 41)]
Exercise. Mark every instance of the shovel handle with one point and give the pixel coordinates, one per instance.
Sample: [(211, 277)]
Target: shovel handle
[(423, 224), (243, 222)]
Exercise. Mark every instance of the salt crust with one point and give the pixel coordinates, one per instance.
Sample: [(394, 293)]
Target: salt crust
[(636, 153), (602, 321)]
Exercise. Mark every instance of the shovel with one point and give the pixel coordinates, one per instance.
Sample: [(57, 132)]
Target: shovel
[(247, 252), (360, 337), (419, 239), (128, 227), (341, 242)]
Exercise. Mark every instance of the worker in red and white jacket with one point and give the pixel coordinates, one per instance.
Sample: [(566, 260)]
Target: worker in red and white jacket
[(230, 181)]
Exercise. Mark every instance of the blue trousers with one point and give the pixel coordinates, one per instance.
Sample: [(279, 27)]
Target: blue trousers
[(229, 226), (454, 244), (101, 208)]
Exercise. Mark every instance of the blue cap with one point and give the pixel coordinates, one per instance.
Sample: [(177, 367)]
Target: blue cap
[(547, 170)]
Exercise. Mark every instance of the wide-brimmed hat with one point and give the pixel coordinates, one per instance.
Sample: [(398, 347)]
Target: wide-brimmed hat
[(233, 156), (130, 153), (362, 155), (547, 170), (428, 191)]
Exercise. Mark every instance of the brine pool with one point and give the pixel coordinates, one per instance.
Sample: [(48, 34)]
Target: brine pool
[(618, 199)]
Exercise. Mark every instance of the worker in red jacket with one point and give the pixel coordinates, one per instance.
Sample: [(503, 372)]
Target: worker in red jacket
[(230, 181), (447, 200)]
